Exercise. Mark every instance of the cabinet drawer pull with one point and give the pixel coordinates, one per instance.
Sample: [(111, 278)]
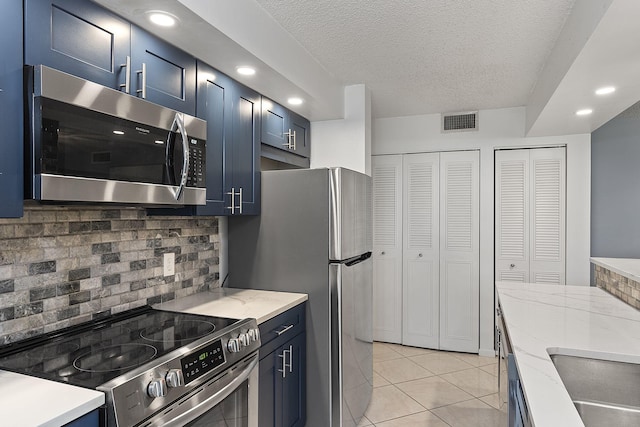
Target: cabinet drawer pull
[(286, 328)]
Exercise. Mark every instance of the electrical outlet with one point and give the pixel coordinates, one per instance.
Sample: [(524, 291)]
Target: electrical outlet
[(169, 264)]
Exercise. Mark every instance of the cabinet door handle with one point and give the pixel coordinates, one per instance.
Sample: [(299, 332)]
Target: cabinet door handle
[(284, 361), (127, 76), (282, 331), (240, 205), (290, 358), (233, 201), (291, 136), (143, 91)]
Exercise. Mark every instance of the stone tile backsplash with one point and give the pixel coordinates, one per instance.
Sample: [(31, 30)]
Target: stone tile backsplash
[(622, 287), (61, 266)]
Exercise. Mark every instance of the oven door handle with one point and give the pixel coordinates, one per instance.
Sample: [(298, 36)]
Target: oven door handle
[(212, 401)]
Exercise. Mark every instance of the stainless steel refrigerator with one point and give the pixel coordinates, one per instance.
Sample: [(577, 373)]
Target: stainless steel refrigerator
[(314, 236)]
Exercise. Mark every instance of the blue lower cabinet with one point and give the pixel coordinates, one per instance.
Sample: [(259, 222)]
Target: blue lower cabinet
[(11, 106), (283, 385), (92, 419)]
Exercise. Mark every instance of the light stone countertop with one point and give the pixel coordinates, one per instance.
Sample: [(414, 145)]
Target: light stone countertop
[(627, 267), (572, 320), (236, 303), (29, 401)]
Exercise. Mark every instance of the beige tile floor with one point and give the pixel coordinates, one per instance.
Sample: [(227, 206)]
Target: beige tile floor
[(415, 387)]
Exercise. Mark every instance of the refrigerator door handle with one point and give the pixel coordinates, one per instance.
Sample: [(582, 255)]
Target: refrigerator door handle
[(365, 256)]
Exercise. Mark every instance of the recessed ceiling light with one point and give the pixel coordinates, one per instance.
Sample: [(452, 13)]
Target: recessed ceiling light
[(162, 19), (245, 70), (118, 132), (605, 90), (584, 112), (294, 101)]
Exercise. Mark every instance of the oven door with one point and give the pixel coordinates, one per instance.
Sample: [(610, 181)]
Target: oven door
[(229, 400)]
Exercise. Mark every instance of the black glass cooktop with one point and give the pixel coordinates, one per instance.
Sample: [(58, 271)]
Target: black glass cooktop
[(93, 353)]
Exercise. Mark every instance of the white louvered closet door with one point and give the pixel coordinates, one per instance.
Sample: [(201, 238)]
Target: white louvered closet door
[(459, 251), (530, 190), (387, 248), (512, 215), (421, 290), (548, 213)]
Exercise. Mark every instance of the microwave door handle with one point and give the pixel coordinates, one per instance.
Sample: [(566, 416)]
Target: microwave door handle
[(179, 123)]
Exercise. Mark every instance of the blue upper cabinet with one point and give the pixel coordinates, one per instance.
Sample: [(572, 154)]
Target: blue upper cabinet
[(79, 38), (284, 129), (162, 73), (214, 105), (245, 151), (83, 39), (11, 102), (300, 128), (232, 112)]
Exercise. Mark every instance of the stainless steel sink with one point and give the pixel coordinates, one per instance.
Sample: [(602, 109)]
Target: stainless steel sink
[(605, 392)]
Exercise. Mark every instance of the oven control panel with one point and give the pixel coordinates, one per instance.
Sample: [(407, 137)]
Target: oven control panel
[(199, 363)]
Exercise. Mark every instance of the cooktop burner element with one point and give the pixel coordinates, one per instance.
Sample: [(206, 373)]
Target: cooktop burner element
[(186, 330), (115, 358), (92, 354)]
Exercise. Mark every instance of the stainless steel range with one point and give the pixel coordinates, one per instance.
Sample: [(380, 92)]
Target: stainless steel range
[(156, 368)]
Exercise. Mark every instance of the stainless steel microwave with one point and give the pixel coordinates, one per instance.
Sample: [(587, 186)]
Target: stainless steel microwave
[(91, 144)]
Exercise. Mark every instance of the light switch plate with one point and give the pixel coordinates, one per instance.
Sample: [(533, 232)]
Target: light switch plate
[(169, 264)]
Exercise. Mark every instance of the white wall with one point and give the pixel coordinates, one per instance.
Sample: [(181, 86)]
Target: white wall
[(345, 142), (503, 128)]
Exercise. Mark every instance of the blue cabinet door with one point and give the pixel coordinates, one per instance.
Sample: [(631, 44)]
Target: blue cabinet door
[(79, 38), (301, 129), (215, 106), (162, 73), (293, 405), (11, 106), (275, 123), (245, 149)]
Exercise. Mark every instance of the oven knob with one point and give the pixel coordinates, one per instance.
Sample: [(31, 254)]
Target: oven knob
[(157, 388), (244, 339), (174, 378), (234, 345), (254, 334)]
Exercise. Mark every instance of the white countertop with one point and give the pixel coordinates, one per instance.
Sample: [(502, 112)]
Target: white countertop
[(28, 401), (628, 267), (573, 320), (236, 303)]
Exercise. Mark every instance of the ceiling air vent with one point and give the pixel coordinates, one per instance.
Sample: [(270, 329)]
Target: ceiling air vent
[(460, 122)]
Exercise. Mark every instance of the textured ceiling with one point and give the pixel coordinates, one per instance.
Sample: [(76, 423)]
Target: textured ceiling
[(428, 56)]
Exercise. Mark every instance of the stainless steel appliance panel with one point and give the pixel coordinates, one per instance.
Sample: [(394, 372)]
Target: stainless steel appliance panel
[(351, 223), (77, 189), (352, 340)]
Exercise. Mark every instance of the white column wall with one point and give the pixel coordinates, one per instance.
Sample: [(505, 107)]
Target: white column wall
[(503, 128), (345, 142)]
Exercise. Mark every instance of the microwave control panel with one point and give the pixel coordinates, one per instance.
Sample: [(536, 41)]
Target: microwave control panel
[(196, 176)]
